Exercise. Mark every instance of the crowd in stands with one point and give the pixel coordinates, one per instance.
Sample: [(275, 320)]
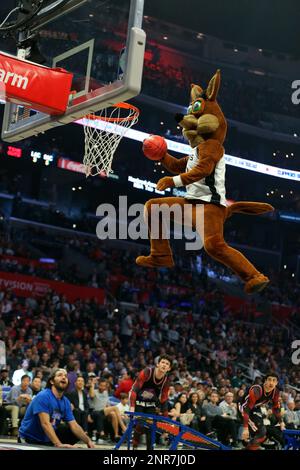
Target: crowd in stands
[(49, 214), (114, 269), (172, 84), (246, 103), (215, 356), (243, 102)]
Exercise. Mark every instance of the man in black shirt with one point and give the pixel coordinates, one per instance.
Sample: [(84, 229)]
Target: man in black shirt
[(79, 402)]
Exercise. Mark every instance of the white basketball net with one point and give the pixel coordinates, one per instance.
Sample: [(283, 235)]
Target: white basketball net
[(103, 132)]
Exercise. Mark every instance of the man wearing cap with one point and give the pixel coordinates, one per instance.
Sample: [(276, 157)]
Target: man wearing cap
[(41, 424)]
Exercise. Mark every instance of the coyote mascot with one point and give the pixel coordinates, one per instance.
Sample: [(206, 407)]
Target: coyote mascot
[(203, 175)]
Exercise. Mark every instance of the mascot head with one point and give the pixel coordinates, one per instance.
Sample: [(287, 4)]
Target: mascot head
[(204, 119)]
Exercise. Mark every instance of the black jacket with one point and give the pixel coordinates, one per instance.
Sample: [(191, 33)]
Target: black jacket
[(74, 399)]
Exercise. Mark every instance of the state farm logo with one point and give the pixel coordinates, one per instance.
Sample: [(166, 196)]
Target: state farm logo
[(13, 79)]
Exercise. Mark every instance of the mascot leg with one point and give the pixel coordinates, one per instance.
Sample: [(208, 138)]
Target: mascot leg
[(217, 248), (161, 253)]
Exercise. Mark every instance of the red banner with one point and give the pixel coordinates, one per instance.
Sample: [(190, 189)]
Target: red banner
[(41, 88), (27, 286)]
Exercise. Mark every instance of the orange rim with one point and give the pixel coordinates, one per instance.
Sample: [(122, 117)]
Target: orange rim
[(121, 105)]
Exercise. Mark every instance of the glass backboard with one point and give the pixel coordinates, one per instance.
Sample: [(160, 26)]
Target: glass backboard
[(101, 42)]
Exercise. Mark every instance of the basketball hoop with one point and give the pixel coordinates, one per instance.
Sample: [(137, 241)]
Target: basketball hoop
[(103, 133)]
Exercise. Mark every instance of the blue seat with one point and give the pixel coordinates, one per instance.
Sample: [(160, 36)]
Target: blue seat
[(5, 391), (292, 439), (113, 400)]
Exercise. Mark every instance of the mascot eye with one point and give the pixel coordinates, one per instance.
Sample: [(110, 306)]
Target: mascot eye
[(189, 110), (197, 106)]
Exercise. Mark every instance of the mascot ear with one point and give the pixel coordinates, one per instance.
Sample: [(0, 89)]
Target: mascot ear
[(196, 91), (213, 86)]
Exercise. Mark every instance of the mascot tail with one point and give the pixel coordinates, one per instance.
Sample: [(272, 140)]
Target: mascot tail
[(250, 208)]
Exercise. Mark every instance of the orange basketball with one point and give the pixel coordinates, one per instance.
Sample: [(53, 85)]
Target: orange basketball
[(154, 147)]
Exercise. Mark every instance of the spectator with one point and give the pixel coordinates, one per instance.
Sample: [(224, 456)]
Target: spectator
[(125, 384), (172, 397), (156, 336), (101, 410), (229, 409), (44, 415), (285, 398), (18, 399), (40, 375), (237, 380), (45, 364), (36, 386), (19, 373), (291, 417), (127, 329), (109, 377), (4, 379), (197, 410), (72, 377), (228, 406), (216, 420), (123, 407), (181, 410), (79, 402)]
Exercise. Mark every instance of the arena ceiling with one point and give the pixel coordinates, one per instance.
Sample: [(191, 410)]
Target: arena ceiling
[(270, 24)]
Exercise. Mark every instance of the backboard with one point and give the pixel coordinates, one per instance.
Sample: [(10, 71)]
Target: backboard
[(101, 42)]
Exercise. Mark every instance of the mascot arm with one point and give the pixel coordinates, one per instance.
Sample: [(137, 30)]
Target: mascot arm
[(210, 152), (174, 165)]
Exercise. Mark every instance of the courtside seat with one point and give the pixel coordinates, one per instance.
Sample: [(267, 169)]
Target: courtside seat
[(113, 401), (5, 392)]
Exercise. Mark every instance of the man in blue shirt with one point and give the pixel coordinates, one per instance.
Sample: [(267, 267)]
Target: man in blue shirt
[(46, 411)]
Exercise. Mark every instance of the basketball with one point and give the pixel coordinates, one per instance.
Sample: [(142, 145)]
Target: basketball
[(155, 147)]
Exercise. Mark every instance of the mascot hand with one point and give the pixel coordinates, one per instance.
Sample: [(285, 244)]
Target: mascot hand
[(164, 183)]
